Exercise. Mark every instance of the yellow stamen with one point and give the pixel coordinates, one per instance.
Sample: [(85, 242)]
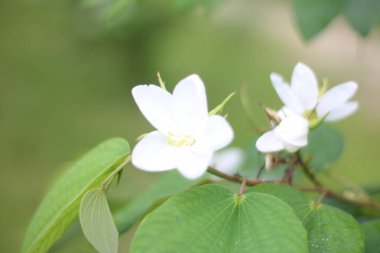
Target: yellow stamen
[(180, 140)]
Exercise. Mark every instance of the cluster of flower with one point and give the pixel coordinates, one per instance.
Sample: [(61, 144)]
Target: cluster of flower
[(187, 135)]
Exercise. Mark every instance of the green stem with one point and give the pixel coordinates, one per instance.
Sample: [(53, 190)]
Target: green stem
[(109, 179), (307, 170)]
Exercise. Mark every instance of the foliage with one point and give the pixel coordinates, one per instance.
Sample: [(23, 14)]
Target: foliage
[(372, 234), (97, 222), (325, 147), (60, 206), (314, 16), (214, 219), (165, 186)]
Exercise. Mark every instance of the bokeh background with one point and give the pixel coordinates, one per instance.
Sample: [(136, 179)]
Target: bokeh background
[(66, 77)]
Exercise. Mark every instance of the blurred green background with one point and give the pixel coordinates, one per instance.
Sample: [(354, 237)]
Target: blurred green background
[(65, 82)]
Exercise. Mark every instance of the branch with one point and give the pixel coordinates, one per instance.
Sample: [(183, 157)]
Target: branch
[(318, 187)]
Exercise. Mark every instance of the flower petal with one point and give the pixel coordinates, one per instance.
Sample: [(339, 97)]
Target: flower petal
[(305, 85), (156, 106), (190, 105), (342, 111), (218, 134), (153, 153), (268, 143), (228, 160), (292, 148), (336, 97), (293, 130), (285, 112), (286, 95), (193, 165)]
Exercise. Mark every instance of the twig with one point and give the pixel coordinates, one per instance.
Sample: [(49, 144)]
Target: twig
[(318, 187), (242, 187)]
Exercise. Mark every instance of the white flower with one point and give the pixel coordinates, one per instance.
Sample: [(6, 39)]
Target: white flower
[(186, 135), (228, 160), (290, 134), (303, 98)]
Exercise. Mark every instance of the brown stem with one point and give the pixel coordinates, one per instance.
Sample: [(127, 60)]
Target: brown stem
[(317, 188), (242, 187)]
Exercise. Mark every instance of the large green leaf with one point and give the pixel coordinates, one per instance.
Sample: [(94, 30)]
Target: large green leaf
[(97, 222), (372, 236), (168, 184), (290, 195), (212, 218), (61, 204), (325, 146), (363, 14), (331, 230), (313, 16)]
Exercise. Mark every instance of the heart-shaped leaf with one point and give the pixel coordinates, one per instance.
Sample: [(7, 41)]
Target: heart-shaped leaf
[(212, 218)]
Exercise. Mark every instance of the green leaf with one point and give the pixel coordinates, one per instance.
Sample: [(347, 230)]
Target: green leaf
[(219, 108), (372, 236), (97, 223), (60, 206), (331, 230), (313, 16), (328, 228), (212, 218), (363, 14), (290, 195), (325, 146), (168, 184)]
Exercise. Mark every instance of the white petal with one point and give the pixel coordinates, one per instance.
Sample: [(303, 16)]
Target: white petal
[(292, 130), (193, 165), (190, 105), (286, 95), (228, 160), (268, 143), (342, 111), (153, 153), (304, 84), (292, 148), (285, 112), (156, 106), (336, 97), (218, 134)]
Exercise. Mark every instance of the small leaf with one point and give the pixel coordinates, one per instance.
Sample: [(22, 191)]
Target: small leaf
[(325, 146), (290, 195), (331, 230), (219, 108), (363, 14), (212, 218), (168, 184), (60, 206), (97, 223), (372, 236), (313, 16)]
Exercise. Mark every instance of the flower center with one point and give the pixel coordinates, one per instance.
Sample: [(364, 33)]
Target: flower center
[(180, 140)]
